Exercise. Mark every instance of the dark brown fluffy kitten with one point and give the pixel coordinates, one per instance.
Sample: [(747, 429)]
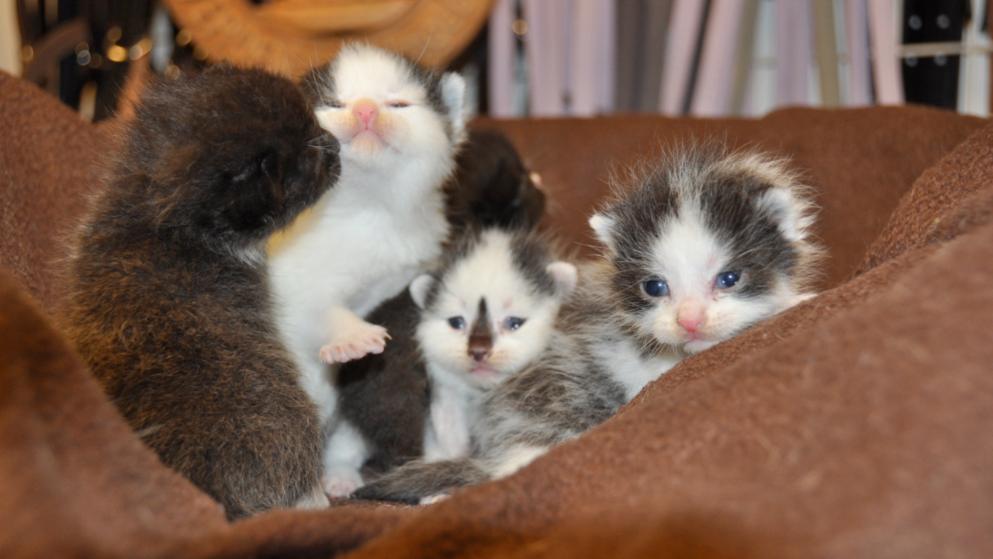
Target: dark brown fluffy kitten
[(385, 396), (492, 186), (169, 301)]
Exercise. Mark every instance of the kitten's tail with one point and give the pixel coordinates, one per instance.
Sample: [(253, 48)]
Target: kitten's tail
[(416, 480)]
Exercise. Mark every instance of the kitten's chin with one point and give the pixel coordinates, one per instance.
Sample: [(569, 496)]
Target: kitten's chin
[(485, 376), (364, 146), (696, 346)]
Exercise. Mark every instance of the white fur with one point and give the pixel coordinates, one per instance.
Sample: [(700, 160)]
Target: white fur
[(344, 456), (316, 499), (380, 226), (603, 229), (452, 410), (629, 367), (515, 459)]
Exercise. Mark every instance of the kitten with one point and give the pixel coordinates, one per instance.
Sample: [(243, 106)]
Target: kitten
[(399, 127), (492, 186), (486, 316), (384, 398), (705, 245), (169, 301)]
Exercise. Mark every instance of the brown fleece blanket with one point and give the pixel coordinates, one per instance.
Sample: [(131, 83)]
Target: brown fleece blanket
[(855, 425)]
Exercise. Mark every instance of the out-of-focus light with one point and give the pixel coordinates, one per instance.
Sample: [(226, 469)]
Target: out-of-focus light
[(519, 27)]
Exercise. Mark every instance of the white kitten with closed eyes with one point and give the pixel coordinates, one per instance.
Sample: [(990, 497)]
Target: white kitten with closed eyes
[(487, 315), (399, 127)]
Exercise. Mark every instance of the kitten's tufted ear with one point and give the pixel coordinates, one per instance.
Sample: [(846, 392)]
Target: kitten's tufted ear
[(564, 275), (603, 228), (420, 288), (453, 96), (790, 212)]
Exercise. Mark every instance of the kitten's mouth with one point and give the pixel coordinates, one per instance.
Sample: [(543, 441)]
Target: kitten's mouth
[(367, 141), (484, 371)]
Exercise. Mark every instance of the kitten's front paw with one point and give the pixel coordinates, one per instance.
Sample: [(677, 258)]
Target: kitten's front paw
[(432, 499), (355, 342), (339, 484)]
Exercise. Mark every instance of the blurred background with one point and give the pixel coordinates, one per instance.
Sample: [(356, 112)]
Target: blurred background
[(532, 57)]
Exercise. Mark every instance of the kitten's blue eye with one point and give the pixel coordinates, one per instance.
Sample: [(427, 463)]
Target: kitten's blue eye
[(727, 280), (655, 288), (513, 322), (456, 322)]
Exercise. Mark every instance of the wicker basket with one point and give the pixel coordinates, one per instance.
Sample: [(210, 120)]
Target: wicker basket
[(291, 36)]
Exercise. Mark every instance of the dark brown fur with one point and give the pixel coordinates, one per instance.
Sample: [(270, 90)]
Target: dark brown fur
[(167, 305), (492, 186), (385, 396)]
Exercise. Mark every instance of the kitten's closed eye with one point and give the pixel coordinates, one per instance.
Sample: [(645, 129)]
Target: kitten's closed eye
[(398, 104)]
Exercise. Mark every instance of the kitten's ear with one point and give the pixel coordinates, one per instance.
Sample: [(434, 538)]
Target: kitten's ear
[(420, 288), (603, 228), (453, 96), (565, 276), (791, 213)]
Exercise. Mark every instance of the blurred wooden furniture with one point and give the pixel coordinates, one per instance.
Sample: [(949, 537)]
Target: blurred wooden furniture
[(291, 36)]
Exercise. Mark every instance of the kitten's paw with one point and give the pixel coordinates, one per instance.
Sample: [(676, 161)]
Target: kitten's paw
[(339, 484), (355, 343), (316, 499), (432, 499)]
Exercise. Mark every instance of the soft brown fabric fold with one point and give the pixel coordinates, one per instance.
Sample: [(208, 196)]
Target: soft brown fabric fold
[(72, 474), (49, 164), (935, 203)]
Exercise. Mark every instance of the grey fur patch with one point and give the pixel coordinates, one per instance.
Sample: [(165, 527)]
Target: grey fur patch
[(563, 394), (531, 256), (418, 479)]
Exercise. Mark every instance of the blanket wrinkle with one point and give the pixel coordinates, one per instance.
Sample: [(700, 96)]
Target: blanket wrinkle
[(935, 197), (71, 462)]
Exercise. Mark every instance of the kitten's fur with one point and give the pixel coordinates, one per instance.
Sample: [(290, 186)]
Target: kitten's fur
[(399, 128), (169, 302), (487, 314), (687, 221), (492, 185), (384, 397)]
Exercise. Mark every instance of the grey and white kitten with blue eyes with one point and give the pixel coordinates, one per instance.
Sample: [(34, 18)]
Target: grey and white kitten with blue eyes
[(702, 245), (486, 315), (399, 127)]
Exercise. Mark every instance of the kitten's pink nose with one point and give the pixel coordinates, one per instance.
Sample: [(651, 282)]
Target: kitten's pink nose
[(690, 317), (365, 110)]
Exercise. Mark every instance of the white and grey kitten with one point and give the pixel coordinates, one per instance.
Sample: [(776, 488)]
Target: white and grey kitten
[(384, 223), (485, 316), (703, 246)]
